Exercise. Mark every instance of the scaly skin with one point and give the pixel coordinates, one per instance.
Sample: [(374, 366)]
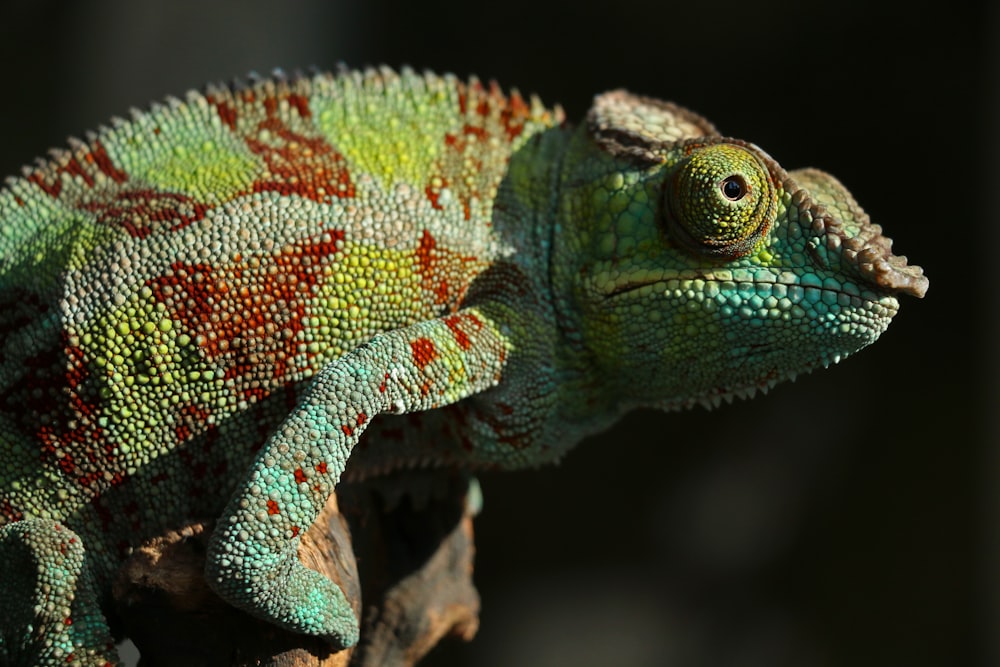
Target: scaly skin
[(203, 308)]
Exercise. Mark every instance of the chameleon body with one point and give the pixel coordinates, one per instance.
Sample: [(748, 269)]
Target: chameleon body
[(205, 306)]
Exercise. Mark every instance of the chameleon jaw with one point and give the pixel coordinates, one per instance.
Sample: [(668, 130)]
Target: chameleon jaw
[(717, 398)]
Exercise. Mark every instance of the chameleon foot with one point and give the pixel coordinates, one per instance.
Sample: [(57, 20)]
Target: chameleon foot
[(49, 613), (279, 588)]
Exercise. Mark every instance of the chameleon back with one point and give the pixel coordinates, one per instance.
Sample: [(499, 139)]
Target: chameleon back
[(167, 287)]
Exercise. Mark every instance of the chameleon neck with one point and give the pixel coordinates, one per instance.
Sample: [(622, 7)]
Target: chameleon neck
[(593, 358)]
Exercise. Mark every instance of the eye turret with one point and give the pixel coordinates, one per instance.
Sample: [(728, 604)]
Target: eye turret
[(721, 201)]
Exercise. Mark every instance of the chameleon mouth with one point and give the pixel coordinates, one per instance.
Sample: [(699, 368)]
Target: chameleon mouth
[(630, 286), (699, 286)]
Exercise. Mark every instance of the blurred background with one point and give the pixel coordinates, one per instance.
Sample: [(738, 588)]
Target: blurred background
[(851, 518)]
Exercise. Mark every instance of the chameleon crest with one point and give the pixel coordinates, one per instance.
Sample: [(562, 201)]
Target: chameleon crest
[(209, 308)]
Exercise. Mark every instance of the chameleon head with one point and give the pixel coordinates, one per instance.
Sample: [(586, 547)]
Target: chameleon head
[(707, 270)]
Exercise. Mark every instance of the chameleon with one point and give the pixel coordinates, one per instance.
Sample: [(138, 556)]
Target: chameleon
[(209, 308)]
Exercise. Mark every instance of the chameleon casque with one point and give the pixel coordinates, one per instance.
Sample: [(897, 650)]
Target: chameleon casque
[(204, 307)]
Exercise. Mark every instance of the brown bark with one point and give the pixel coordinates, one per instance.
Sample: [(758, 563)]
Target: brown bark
[(414, 586)]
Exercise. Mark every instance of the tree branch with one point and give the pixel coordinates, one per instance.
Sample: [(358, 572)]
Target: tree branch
[(405, 564)]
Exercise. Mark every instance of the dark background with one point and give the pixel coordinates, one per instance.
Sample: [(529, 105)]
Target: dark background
[(849, 518)]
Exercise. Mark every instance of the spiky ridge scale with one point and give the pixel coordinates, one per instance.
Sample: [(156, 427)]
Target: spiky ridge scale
[(213, 300)]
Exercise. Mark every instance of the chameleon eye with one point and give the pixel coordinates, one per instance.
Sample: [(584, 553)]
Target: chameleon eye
[(720, 201), (734, 188)]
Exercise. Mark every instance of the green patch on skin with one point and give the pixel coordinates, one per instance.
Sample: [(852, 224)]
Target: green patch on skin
[(196, 166), (397, 139), (369, 288), (69, 238), (201, 167), (205, 161), (146, 366)]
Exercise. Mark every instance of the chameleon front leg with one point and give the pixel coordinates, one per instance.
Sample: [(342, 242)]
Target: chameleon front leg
[(253, 556), (49, 610)]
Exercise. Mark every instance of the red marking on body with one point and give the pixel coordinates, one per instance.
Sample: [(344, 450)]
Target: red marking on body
[(70, 438), (297, 163), (454, 324), (444, 273), (8, 511), (478, 132), (321, 467), (362, 418), (423, 252), (423, 352), (434, 193), (272, 507), (270, 105), (52, 185), (504, 427), (49, 178), (461, 338), (301, 104), (227, 112), (295, 531), (141, 212), (463, 193), (99, 156), (300, 476), (514, 115), (192, 419), (256, 393), (487, 114), (426, 260), (348, 431), (245, 314)]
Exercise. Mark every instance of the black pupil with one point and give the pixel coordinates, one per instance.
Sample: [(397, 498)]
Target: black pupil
[(734, 188)]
